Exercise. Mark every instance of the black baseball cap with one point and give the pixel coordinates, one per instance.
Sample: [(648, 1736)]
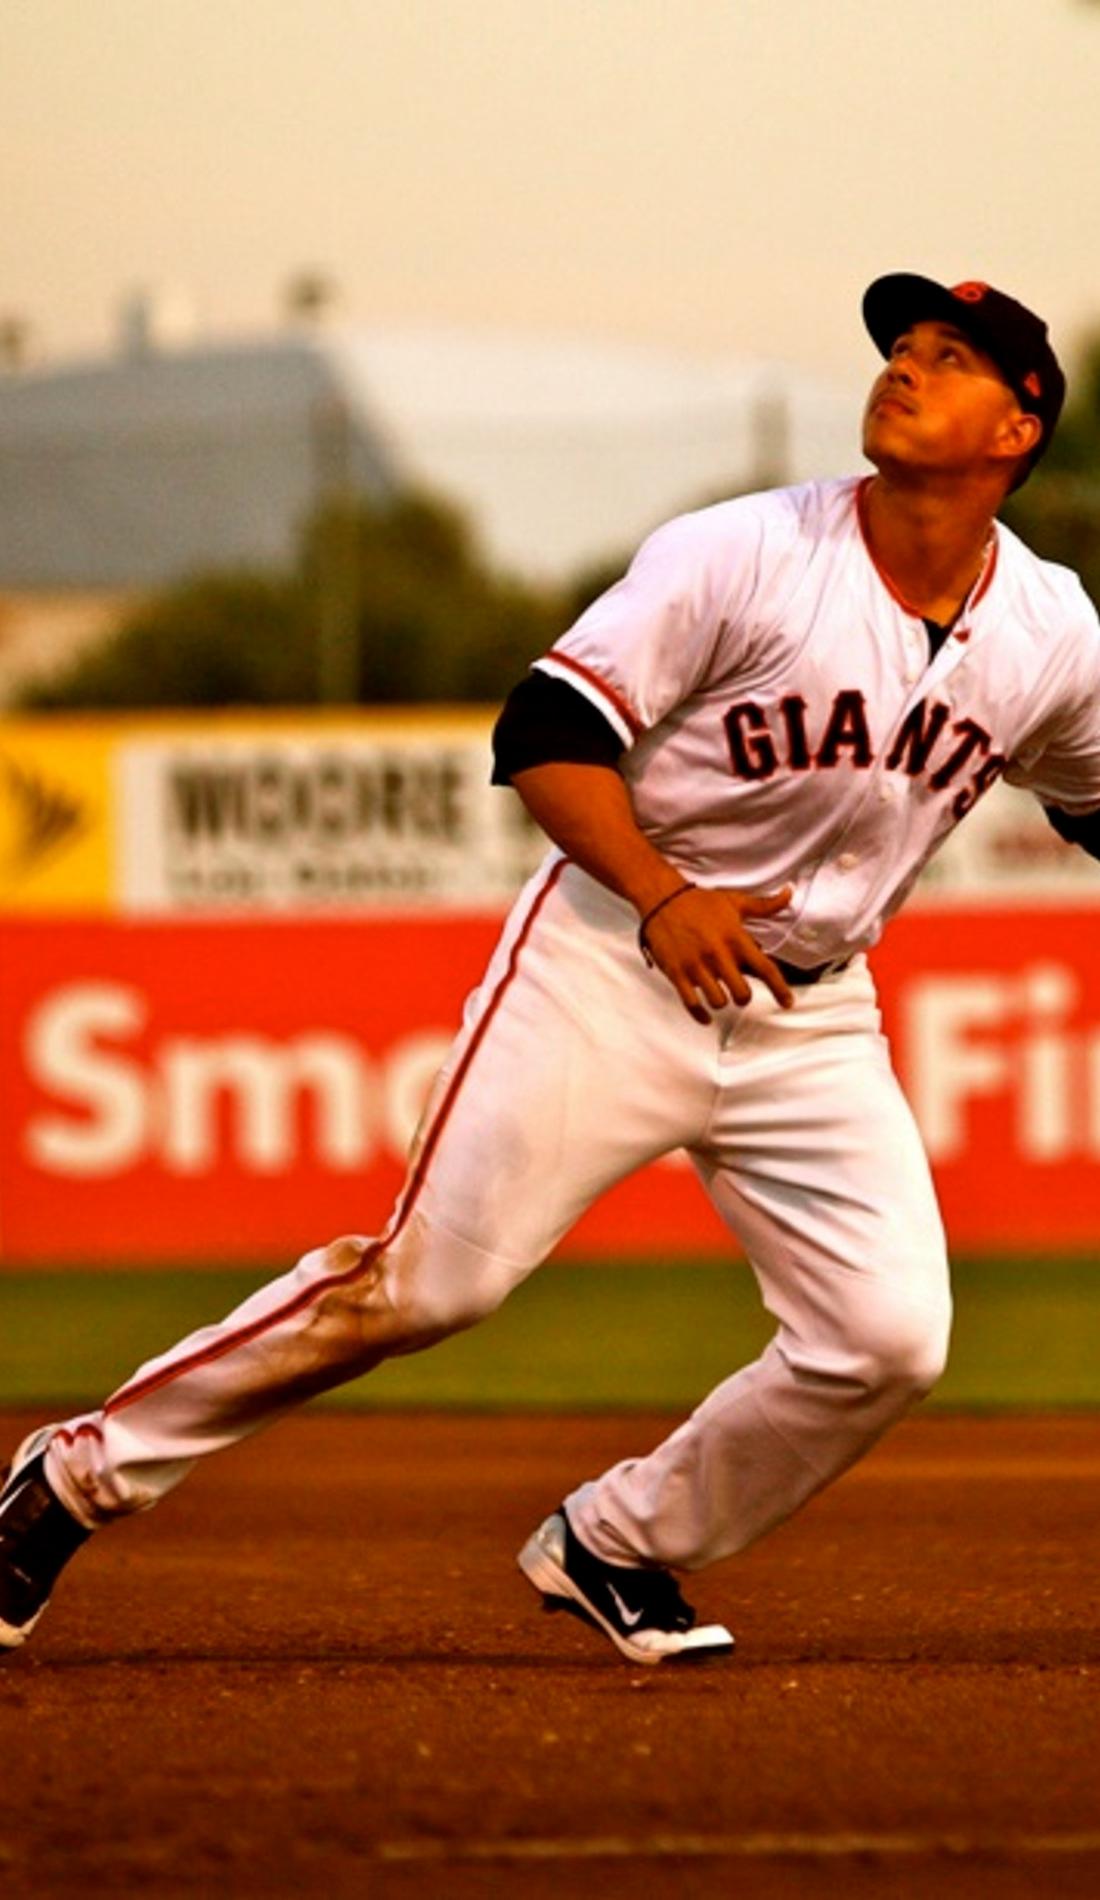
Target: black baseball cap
[(1007, 331)]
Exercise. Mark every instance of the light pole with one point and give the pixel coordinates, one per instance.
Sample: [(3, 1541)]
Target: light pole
[(337, 595)]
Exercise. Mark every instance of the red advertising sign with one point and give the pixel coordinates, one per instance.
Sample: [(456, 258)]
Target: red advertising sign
[(230, 1090), (994, 1018)]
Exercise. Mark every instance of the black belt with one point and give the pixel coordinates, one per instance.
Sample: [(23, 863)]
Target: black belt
[(798, 978)]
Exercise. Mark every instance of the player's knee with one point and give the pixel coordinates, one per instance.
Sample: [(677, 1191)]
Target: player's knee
[(429, 1305), (906, 1350), (439, 1282), (916, 1359), (424, 1315), (399, 1299)]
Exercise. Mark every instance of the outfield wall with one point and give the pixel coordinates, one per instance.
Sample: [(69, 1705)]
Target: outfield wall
[(234, 951)]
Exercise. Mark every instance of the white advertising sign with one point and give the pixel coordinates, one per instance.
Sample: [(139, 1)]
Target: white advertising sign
[(317, 822)]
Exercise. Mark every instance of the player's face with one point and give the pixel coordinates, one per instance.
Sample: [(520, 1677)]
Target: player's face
[(940, 405)]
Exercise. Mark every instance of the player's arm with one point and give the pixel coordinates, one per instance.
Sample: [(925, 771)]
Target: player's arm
[(1065, 773), (561, 755)]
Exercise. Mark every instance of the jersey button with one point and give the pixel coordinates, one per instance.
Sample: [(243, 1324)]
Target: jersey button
[(847, 861)]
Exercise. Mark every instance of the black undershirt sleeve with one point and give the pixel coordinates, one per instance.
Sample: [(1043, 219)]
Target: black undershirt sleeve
[(545, 721), (1083, 829)]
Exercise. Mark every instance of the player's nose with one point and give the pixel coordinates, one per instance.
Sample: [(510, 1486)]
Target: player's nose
[(901, 371)]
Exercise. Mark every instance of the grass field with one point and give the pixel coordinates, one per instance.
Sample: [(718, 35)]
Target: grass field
[(1027, 1334)]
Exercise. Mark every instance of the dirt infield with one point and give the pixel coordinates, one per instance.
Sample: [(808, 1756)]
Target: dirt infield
[(316, 1670)]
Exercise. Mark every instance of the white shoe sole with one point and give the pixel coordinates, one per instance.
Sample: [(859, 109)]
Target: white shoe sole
[(13, 1638), (541, 1568)]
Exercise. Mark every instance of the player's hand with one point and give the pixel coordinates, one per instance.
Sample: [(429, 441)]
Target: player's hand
[(702, 943)]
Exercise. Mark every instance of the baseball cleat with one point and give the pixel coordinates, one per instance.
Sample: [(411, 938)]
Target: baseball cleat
[(642, 1611), (37, 1538)]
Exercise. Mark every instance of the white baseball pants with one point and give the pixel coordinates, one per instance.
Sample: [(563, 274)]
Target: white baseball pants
[(575, 1065)]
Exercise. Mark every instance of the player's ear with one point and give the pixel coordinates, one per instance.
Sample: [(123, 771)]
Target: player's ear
[(1018, 435)]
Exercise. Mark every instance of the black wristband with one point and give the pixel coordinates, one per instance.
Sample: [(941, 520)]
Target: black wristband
[(651, 914)]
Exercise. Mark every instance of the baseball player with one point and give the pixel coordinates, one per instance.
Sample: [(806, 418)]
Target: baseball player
[(743, 754)]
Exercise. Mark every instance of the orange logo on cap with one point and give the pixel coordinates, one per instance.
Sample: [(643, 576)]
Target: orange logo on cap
[(1032, 384), (970, 293)]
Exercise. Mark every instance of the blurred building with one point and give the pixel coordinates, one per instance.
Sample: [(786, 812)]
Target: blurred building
[(177, 454), (132, 470)]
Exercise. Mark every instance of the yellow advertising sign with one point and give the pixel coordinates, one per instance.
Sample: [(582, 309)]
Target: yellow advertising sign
[(56, 831)]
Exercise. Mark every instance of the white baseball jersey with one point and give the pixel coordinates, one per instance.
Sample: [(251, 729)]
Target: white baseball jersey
[(784, 725)]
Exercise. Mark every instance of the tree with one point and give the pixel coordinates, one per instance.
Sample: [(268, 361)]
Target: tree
[(432, 620), (1058, 509), (219, 640), (426, 617)]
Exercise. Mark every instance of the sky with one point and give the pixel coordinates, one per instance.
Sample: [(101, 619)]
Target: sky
[(714, 177)]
